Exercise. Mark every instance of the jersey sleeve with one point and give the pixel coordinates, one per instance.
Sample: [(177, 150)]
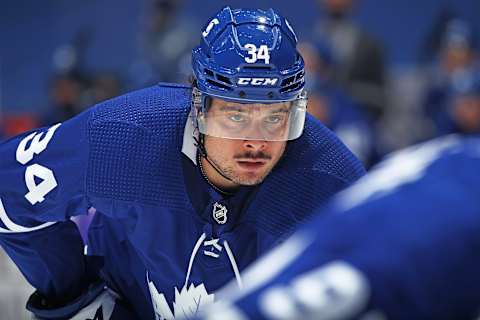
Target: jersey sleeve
[(42, 182), (43, 176)]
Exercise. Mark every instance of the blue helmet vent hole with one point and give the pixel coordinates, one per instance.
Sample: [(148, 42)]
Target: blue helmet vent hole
[(223, 79), (288, 81), (208, 72), (218, 85), (292, 87)]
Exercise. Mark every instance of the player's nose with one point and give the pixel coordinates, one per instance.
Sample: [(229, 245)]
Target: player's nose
[(255, 145)]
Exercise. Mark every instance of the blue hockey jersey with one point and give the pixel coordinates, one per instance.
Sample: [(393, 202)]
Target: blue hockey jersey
[(401, 243), (155, 238)]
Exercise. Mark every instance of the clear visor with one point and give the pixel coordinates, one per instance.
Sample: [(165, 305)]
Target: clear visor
[(280, 121)]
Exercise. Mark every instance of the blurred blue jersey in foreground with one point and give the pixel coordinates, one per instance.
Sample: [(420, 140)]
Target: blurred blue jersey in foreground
[(401, 243)]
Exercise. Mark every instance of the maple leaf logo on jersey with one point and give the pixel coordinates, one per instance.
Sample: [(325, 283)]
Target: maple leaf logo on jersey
[(187, 302)]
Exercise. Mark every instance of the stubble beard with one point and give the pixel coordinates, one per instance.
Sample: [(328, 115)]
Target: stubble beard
[(238, 178)]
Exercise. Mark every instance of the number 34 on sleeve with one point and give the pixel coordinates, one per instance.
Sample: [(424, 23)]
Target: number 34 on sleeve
[(24, 155)]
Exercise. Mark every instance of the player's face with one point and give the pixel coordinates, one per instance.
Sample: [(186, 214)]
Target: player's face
[(466, 113), (243, 161)]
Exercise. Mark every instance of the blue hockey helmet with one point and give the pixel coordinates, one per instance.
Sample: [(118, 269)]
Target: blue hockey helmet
[(249, 56)]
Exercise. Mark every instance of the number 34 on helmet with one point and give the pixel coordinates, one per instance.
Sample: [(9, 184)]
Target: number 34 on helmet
[(249, 58)]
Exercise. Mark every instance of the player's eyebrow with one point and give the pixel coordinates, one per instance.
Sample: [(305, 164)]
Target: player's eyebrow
[(282, 109), (244, 109)]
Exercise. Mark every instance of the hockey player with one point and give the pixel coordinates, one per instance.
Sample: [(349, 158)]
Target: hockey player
[(188, 184), (401, 243)]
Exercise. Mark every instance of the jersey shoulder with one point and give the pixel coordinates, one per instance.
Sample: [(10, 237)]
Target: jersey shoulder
[(134, 141), (146, 108), (321, 150)]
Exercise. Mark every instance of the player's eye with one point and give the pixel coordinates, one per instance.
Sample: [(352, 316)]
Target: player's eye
[(274, 119), (237, 117)]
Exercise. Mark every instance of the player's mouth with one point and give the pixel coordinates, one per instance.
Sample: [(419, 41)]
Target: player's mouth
[(251, 164)]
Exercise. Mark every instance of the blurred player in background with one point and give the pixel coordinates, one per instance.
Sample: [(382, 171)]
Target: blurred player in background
[(401, 243), (360, 68), (187, 184), (462, 112), (332, 106), (455, 60), (65, 95), (167, 43)]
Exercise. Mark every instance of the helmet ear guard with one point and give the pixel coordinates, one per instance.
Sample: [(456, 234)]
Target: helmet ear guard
[(249, 57)]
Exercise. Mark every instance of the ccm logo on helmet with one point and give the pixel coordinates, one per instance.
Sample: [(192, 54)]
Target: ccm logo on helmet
[(257, 81)]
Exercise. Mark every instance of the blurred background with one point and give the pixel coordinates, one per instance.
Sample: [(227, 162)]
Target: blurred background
[(381, 74)]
